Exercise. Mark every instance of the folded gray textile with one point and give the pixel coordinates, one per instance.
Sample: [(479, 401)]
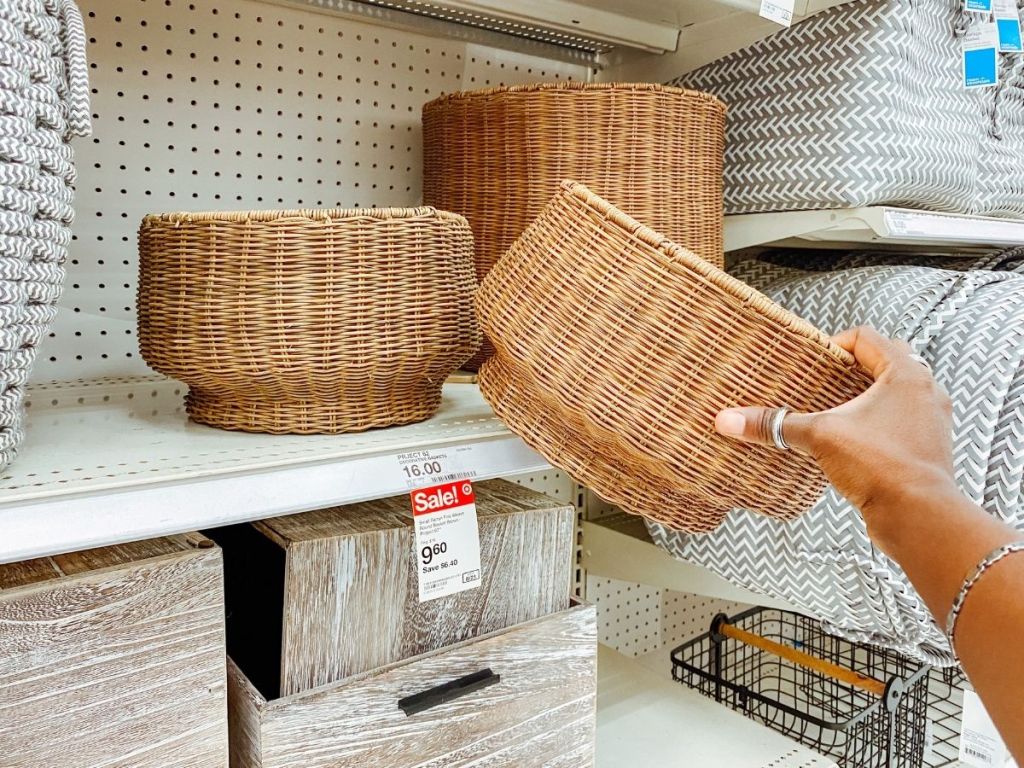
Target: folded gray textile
[(864, 104), (969, 326)]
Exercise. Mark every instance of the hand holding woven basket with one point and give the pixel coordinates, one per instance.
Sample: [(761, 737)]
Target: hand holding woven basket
[(615, 348)]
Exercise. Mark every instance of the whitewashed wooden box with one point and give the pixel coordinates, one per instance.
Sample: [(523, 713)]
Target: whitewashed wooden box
[(317, 597), (527, 700), (114, 657)]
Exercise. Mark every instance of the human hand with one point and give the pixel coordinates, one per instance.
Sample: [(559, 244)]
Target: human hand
[(879, 449)]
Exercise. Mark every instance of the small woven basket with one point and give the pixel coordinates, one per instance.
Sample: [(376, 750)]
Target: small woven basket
[(307, 321), (615, 348), (496, 156)]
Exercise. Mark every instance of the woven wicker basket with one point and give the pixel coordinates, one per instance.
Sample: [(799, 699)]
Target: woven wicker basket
[(496, 156), (44, 103), (615, 349), (307, 321)]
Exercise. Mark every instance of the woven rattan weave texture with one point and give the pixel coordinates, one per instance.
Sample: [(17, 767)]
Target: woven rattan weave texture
[(307, 321), (614, 350), (496, 156)]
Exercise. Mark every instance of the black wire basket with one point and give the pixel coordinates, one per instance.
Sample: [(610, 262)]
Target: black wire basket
[(862, 706)]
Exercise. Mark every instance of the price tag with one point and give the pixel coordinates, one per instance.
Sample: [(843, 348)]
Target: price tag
[(980, 43), (447, 539), (980, 743), (779, 11), (436, 465), (1008, 26), (978, 6)]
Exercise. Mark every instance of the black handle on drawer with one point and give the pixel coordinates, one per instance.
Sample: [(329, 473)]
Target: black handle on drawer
[(440, 694)]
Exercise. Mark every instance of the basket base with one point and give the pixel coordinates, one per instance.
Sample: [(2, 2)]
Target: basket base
[(631, 488), (283, 416), (479, 357)]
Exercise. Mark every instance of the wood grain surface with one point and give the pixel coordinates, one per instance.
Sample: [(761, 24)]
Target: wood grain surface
[(114, 658), (541, 713), (351, 602)]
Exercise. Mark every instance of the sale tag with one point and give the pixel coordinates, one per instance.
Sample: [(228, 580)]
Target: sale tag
[(437, 465), (779, 11), (1008, 26), (447, 539), (978, 6), (980, 743), (980, 43)]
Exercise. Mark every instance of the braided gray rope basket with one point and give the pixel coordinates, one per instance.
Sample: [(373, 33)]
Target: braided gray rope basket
[(44, 102)]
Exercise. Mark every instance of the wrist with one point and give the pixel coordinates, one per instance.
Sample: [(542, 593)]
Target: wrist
[(896, 513)]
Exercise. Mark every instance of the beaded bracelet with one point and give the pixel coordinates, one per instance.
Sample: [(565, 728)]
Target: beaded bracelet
[(991, 559)]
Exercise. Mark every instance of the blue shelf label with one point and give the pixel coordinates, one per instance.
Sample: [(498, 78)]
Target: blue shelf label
[(1009, 35), (1008, 26), (980, 60), (981, 6)]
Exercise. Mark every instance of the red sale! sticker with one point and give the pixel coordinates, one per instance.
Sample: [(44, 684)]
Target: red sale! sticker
[(447, 539), (442, 497)]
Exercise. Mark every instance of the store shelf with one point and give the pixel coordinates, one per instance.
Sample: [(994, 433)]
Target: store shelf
[(559, 29), (877, 225), (619, 547), (643, 718), (710, 30), (116, 460)]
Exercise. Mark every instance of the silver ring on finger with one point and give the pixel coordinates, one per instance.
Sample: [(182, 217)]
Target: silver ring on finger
[(777, 436), (918, 359)]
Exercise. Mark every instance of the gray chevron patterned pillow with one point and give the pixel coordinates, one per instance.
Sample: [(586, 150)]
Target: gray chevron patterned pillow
[(863, 105), (970, 327)]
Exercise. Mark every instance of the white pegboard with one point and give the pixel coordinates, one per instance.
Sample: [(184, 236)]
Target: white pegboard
[(551, 482), (637, 619), (628, 615), (237, 104), (684, 616)]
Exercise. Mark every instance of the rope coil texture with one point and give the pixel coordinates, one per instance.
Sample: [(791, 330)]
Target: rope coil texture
[(969, 326), (44, 103), (308, 321), (614, 350), (497, 156)]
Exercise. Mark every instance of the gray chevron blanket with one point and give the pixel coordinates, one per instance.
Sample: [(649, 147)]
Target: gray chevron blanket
[(863, 104), (970, 327)]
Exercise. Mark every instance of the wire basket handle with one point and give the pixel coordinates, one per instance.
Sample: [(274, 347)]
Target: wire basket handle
[(843, 674)]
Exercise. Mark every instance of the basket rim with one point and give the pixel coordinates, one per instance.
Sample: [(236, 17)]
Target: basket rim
[(576, 85), (307, 215), (722, 280)]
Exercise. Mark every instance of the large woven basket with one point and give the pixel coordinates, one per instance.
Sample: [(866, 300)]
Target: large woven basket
[(307, 321), (496, 156), (44, 103), (615, 348)]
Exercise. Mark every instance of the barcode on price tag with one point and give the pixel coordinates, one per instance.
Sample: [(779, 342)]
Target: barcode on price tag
[(980, 743), (779, 11), (436, 465), (447, 539)]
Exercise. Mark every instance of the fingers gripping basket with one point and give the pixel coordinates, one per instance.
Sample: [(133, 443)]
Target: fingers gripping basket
[(44, 103), (307, 321), (615, 348), (496, 156)]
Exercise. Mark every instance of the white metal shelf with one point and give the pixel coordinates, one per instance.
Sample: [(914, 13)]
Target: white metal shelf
[(875, 225), (619, 547), (116, 460), (643, 718), (565, 30)]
